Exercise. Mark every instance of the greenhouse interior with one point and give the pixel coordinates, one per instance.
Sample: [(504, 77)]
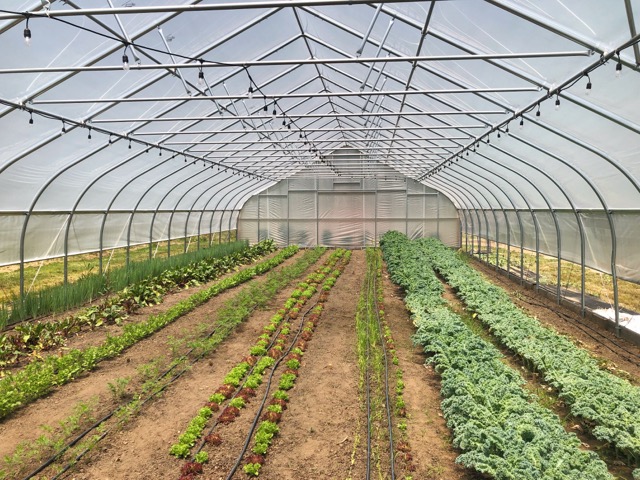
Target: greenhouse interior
[(183, 182)]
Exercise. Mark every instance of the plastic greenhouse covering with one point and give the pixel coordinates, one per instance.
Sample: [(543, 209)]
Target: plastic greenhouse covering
[(126, 123)]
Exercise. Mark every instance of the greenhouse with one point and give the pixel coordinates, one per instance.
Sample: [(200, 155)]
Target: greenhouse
[(183, 183)]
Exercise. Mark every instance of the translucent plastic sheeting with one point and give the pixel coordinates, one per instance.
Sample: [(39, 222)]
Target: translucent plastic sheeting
[(596, 236), (354, 213)]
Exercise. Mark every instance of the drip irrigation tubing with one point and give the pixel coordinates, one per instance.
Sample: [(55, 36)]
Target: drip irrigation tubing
[(110, 414), (633, 357), (368, 380), (241, 386), (268, 386), (386, 369)]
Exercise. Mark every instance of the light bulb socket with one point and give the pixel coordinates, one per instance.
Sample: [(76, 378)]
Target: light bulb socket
[(125, 62), (27, 36), (201, 78), (250, 93)]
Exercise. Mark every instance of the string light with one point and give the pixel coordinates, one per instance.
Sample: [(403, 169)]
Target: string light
[(521, 122), (27, 34), (64, 127), (89, 134), (129, 144), (201, 82), (250, 92), (274, 114), (618, 66), (30, 117), (538, 111), (558, 101), (589, 85), (125, 59), (506, 131)]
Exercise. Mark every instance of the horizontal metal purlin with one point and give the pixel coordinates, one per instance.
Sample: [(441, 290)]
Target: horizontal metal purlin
[(297, 149), (292, 115), (281, 96), (186, 8), (286, 131), (308, 61)]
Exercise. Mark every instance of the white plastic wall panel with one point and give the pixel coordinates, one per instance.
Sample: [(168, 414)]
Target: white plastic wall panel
[(272, 206), (628, 254), (301, 205), (44, 236), (10, 228), (345, 217), (391, 204)]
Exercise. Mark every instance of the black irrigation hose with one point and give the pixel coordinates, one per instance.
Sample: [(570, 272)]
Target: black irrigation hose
[(110, 414), (266, 393), (367, 376), (386, 374), (241, 386), (571, 320)]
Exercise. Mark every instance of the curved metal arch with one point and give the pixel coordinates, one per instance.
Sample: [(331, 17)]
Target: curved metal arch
[(607, 212), (240, 200), (177, 203), (553, 215), (187, 219), (32, 206), (235, 183), (535, 222), (190, 210), (462, 199), (239, 194), (449, 180), (578, 222), (508, 223), (501, 208), (469, 49), (228, 198)]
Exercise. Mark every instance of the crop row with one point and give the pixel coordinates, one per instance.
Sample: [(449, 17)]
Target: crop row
[(34, 337), (604, 400), (252, 367), (500, 428), (40, 376), (59, 298), (268, 427)]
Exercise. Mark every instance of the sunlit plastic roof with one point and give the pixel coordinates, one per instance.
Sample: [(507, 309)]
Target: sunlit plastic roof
[(462, 95)]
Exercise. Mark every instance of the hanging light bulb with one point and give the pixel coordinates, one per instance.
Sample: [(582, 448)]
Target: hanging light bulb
[(538, 111), (274, 114), (250, 92), (506, 131), (521, 123), (284, 122), (201, 82), (557, 107), (27, 35), (125, 59), (618, 68), (110, 140), (129, 144), (499, 136), (89, 134), (289, 126), (64, 127), (589, 85), (30, 117)]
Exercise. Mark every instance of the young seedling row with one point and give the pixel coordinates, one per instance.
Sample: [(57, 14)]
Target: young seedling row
[(236, 310), (278, 349)]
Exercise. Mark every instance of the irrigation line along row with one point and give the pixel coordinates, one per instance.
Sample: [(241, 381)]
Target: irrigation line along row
[(368, 374), (579, 325), (110, 414), (386, 365), (268, 386)]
